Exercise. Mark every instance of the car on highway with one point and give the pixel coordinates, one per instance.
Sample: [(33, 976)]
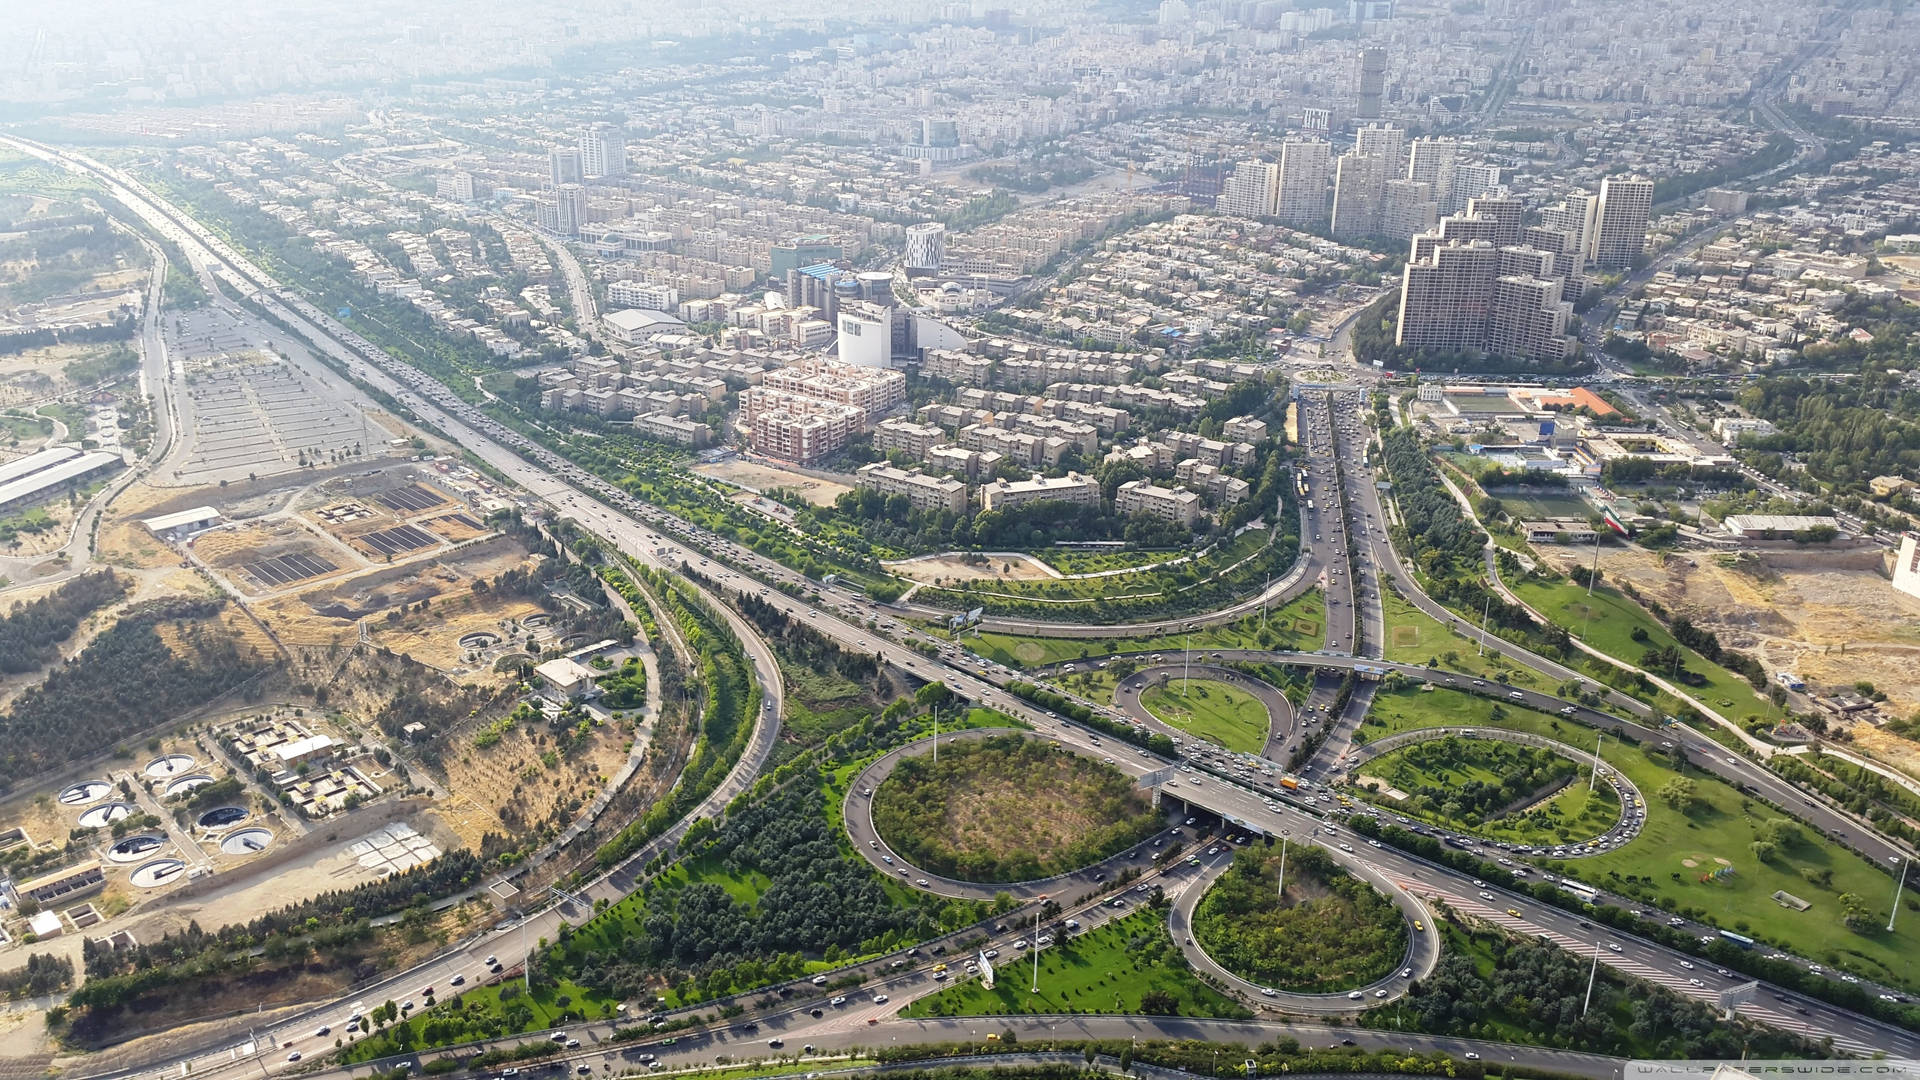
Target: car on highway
[(1515, 912)]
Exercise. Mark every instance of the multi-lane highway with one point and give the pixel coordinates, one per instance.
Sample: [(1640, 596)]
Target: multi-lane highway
[(649, 536)]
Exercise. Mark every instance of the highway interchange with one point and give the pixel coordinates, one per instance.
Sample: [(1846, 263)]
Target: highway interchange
[(653, 538)]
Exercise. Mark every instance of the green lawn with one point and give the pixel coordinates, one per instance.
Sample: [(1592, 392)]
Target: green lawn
[(1105, 970), (1414, 637), (1572, 814), (1663, 865), (1082, 561), (1211, 710), (481, 1013), (1299, 625), (1542, 504), (1607, 621)]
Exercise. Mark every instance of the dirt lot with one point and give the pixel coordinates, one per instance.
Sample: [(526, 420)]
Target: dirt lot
[(523, 780), (952, 568), (434, 640), (329, 614), (234, 548), (765, 477), (1832, 625)]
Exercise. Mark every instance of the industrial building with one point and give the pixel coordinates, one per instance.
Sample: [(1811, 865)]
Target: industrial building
[(48, 472)]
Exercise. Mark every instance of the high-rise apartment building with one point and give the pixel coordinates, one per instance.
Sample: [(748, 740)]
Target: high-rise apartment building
[(1407, 207), (1473, 284), (1360, 179), (1574, 214), (1471, 180), (1252, 190), (563, 167), (1370, 83), (1620, 221), (1306, 165), (603, 151), (1433, 161), (570, 209)]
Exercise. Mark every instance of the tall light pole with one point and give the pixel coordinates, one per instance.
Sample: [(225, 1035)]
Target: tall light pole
[(1036, 944), (1594, 777), (1186, 672), (1484, 609), (936, 736), (1280, 892), (1592, 973), (1899, 883)]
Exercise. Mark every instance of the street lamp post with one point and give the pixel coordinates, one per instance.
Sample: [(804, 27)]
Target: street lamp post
[(1592, 973), (1280, 891), (1594, 777), (1899, 883), (1484, 609), (1036, 945)]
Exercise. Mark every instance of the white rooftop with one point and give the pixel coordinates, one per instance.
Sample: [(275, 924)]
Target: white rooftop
[(196, 516)]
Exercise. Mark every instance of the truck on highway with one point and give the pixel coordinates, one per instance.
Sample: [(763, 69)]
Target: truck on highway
[(1290, 783)]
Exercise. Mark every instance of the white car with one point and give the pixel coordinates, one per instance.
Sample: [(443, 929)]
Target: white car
[(879, 999)]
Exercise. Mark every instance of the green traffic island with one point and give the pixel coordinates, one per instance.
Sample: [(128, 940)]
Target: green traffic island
[(1299, 624), (1009, 808), (1225, 715), (1328, 932), (1502, 791), (1129, 966), (1491, 984)]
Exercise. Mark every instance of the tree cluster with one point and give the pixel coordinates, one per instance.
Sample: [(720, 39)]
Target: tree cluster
[(1540, 988), (32, 632), (120, 683)]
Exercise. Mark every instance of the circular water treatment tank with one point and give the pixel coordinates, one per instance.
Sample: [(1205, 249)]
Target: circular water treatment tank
[(134, 848), (168, 765), (222, 816), (187, 783), (99, 817), (158, 872), (84, 792), (535, 622), (245, 841), (479, 640)]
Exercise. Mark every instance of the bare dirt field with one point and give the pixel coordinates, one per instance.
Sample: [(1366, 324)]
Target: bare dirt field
[(526, 779), (934, 569), (765, 477), (435, 640), (1833, 624), (330, 613)]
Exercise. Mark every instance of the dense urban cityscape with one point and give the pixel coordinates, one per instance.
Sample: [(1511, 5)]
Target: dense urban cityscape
[(980, 542)]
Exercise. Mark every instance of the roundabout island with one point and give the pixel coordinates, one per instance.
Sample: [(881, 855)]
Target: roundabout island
[(1003, 811)]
